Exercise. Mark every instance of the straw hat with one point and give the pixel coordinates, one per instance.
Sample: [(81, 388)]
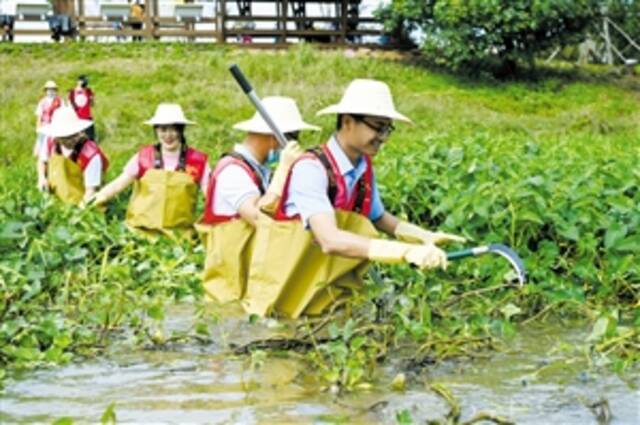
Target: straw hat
[(168, 114), (50, 85), (283, 111), (366, 97), (65, 122)]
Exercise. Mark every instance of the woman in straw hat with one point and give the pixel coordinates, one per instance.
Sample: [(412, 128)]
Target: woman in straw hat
[(70, 164), (332, 191), (240, 184), (166, 177), (44, 111)]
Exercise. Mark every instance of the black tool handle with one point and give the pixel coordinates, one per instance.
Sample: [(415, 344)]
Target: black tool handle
[(241, 79)]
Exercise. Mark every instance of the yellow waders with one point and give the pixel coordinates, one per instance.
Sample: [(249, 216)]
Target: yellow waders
[(163, 201), (290, 275), (66, 179), (229, 246)]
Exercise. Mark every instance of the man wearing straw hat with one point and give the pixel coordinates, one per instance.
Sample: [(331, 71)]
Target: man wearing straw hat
[(70, 164), (44, 111), (332, 192), (238, 187)]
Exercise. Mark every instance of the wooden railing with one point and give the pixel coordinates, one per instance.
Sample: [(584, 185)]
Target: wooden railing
[(223, 27)]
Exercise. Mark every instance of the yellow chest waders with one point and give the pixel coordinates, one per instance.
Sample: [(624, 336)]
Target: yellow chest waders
[(66, 179), (290, 275), (228, 239), (229, 247), (163, 201)]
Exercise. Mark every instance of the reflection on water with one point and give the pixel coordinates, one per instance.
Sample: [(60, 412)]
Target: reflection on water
[(540, 380)]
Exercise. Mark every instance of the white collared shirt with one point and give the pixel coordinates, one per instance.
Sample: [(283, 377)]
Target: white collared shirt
[(307, 194), (234, 185)]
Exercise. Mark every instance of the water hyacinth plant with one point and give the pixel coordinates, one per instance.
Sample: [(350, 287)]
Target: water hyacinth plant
[(548, 167)]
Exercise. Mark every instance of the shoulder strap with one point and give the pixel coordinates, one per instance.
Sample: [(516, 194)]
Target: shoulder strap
[(158, 163), (361, 195), (332, 188), (362, 203), (364, 197), (182, 160), (76, 150)]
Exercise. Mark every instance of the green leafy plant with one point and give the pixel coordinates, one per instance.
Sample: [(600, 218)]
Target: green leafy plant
[(495, 36)]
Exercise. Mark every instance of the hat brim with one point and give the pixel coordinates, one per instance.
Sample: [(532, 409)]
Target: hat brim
[(259, 126), (169, 122), (53, 130), (340, 109)]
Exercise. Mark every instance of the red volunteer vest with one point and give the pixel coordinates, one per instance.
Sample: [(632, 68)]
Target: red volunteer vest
[(195, 162), (81, 98), (210, 217), (47, 113), (83, 157), (360, 199)]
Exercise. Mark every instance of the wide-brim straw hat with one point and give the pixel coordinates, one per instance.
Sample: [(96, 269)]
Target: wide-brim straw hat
[(50, 85), (168, 114), (64, 123), (366, 97), (283, 111)]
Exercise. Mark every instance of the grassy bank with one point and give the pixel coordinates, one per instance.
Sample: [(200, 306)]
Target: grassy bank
[(550, 167)]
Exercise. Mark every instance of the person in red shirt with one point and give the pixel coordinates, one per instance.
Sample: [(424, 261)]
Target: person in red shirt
[(81, 98)]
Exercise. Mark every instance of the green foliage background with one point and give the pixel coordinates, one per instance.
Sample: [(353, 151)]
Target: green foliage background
[(500, 36), (549, 167)]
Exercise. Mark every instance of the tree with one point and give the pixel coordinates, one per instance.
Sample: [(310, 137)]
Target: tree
[(494, 35)]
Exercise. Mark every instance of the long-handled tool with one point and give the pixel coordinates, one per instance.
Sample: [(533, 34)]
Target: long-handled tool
[(502, 250), (253, 96), (499, 249)]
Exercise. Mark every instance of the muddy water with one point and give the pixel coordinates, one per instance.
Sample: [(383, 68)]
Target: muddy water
[(541, 379)]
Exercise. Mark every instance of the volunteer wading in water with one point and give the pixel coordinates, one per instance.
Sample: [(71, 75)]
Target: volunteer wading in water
[(239, 186), (166, 177), (332, 191), (70, 165)]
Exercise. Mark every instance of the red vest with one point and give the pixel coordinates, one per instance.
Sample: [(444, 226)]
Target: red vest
[(87, 152), (210, 217), (47, 112), (83, 111), (195, 162), (360, 198)]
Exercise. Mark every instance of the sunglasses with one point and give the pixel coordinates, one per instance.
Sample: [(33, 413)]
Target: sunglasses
[(383, 131)]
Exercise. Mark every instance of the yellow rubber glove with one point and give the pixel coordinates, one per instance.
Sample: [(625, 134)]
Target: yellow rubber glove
[(392, 252), (288, 156), (411, 233)]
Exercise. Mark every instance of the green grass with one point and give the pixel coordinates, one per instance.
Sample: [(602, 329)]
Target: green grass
[(549, 166), (130, 80)]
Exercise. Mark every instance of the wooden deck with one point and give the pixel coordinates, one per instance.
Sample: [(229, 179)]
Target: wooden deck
[(289, 25)]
